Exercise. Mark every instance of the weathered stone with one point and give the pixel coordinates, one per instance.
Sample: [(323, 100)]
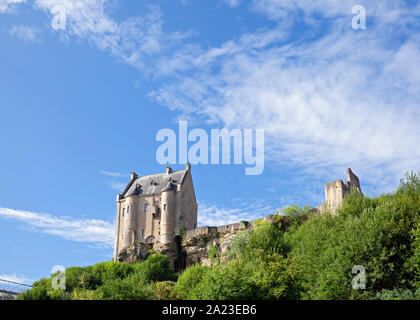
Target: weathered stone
[(139, 251), (335, 191)]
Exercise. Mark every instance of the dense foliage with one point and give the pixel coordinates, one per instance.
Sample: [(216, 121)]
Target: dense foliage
[(309, 256)]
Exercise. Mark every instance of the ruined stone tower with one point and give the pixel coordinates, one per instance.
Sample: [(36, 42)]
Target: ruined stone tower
[(153, 209), (335, 191)]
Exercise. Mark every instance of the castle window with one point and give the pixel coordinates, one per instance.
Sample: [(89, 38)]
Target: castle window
[(128, 209), (146, 207), (164, 207), (123, 212), (142, 233)]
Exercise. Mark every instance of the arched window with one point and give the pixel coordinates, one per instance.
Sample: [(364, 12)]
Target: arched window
[(128, 209), (164, 207), (123, 212), (146, 207)]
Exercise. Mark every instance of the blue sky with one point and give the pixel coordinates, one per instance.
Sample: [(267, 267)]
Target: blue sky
[(81, 105)]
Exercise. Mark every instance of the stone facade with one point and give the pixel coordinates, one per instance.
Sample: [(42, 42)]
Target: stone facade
[(152, 210), (335, 191)]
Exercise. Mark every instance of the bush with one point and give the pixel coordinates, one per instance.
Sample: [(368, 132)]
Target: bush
[(156, 268), (134, 287), (186, 286), (212, 252), (231, 281), (268, 239), (398, 294), (165, 290), (277, 279), (238, 246)]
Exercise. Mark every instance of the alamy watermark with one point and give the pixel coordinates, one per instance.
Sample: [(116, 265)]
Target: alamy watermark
[(359, 281), (245, 142), (59, 280), (359, 20), (60, 18)]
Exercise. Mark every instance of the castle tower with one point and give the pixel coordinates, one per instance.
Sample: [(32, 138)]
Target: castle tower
[(152, 209), (335, 191), (167, 226)]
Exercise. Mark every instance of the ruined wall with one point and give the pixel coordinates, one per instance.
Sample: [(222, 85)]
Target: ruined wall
[(188, 214), (197, 242), (335, 191)]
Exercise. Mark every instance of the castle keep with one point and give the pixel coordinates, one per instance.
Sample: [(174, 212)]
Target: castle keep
[(335, 191), (154, 209)]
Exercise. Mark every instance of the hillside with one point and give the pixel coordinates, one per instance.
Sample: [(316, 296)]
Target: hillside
[(310, 258)]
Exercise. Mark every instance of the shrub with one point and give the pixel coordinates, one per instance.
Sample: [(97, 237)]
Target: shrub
[(398, 294), (277, 278), (238, 246), (268, 239), (231, 281), (212, 252), (134, 287), (156, 268), (165, 290), (186, 286)]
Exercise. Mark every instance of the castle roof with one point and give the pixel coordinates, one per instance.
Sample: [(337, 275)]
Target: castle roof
[(154, 184)]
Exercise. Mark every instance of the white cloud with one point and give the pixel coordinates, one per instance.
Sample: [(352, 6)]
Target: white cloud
[(113, 174), (343, 99), (214, 215), (9, 5), (334, 97), (133, 41), (25, 33), (117, 186), (114, 184), (95, 231), (14, 277), (232, 3)]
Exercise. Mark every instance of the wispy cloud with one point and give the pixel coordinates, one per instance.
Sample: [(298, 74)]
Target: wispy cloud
[(215, 215), (94, 231), (113, 174), (25, 33), (331, 97), (115, 183), (334, 98), (134, 41), (14, 277), (9, 5)]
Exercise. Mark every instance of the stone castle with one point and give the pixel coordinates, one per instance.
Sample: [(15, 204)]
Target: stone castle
[(156, 211)]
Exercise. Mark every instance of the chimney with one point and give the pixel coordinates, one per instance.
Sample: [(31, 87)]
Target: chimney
[(168, 170), (133, 176)]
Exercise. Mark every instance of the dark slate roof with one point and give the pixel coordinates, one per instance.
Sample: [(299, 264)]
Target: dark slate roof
[(155, 183)]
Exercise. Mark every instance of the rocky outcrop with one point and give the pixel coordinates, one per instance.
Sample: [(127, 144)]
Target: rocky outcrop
[(138, 251), (198, 244), (195, 246)]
